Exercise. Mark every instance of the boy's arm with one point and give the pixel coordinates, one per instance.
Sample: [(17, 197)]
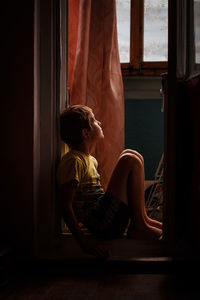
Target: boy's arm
[(67, 194)]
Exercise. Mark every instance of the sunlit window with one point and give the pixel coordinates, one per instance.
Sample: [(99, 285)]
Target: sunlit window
[(155, 30), (197, 30), (123, 29), (142, 27)]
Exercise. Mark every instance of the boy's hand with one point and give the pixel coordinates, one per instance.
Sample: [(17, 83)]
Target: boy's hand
[(68, 191), (97, 250)]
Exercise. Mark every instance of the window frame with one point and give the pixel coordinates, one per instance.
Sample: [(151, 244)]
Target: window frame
[(137, 66)]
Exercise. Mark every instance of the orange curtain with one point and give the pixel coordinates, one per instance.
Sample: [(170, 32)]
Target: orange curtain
[(95, 76)]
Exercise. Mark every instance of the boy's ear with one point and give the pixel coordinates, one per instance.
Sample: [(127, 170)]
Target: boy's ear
[(85, 133)]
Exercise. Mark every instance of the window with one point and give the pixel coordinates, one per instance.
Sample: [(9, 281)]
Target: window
[(143, 36), (197, 30)]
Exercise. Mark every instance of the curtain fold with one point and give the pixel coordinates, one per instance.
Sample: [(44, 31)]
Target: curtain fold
[(95, 76)]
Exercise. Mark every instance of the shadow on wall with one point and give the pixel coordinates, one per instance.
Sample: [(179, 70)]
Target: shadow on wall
[(144, 131)]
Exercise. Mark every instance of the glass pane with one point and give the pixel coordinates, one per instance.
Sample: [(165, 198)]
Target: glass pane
[(197, 30), (123, 29), (155, 30)]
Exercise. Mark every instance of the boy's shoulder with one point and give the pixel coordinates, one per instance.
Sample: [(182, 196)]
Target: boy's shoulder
[(70, 164), (74, 157)]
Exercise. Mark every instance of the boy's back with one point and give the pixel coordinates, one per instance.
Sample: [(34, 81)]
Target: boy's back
[(81, 168)]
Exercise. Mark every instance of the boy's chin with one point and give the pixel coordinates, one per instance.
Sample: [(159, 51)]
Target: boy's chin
[(101, 135)]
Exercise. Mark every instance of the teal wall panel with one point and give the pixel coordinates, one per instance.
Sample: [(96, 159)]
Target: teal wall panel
[(144, 131)]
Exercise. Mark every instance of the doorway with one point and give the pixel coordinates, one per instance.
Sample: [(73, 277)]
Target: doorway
[(55, 244), (160, 103)]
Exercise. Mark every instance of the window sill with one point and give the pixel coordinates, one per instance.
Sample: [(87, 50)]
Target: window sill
[(143, 72), (144, 69)]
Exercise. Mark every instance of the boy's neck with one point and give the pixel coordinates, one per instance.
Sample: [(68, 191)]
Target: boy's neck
[(85, 148)]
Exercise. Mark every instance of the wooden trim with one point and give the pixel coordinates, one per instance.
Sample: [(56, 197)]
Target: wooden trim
[(143, 72), (147, 65), (146, 69), (141, 31), (154, 65), (134, 45), (125, 65)]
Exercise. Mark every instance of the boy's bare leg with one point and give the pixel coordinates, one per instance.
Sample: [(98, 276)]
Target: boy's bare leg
[(127, 184), (149, 220), (153, 222)]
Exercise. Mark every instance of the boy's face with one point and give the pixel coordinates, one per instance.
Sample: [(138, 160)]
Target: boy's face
[(96, 131)]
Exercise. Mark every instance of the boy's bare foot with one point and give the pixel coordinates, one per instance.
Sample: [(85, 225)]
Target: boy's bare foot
[(147, 233), (154, 223)]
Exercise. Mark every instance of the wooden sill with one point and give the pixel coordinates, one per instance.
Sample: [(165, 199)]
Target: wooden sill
[(143, 72), (145, 69)]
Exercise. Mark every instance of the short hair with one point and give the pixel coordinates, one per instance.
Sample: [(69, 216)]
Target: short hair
[(72, 121)]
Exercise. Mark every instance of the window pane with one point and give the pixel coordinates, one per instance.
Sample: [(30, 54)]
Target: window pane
[(123, 29), (197, 30), (155, 30)]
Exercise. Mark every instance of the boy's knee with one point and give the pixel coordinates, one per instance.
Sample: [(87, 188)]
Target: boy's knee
[(141, 157), (131, 160), (133, 153)]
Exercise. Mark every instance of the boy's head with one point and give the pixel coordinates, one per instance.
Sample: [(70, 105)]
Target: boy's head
[(72, 121)]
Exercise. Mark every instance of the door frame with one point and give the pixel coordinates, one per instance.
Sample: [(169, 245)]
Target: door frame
[(50, 98)]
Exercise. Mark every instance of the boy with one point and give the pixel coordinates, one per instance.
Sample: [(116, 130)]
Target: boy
[(105, 214)]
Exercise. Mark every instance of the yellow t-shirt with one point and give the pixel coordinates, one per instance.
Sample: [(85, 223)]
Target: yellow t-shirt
[(82, 168)]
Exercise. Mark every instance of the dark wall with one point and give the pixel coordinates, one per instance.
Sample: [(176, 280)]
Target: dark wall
[(17, 102), (188, 163)]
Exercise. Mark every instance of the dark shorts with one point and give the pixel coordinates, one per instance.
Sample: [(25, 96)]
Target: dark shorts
[(110, 219)]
